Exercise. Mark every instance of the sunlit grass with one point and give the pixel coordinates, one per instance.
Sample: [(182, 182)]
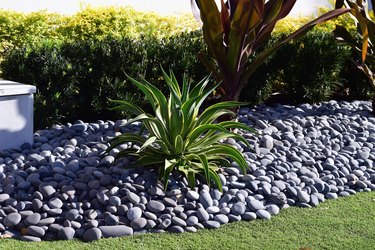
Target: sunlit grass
[(346, 223)]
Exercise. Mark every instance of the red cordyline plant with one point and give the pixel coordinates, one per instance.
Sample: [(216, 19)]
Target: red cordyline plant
[(364, 43), (237, 30)]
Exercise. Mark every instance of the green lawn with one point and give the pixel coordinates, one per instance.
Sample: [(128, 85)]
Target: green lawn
[(346, 223)]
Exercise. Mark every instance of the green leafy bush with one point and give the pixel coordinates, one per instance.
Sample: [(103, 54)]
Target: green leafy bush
[(19, 29), (76, 79), (178, 137), (310, 69), (77, 70), (98, 23)]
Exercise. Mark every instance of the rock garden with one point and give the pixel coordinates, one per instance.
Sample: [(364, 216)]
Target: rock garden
[(183, 164)]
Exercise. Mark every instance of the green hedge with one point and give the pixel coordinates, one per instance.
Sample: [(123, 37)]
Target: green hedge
[(76, 80), (19, 29), (78, 68)]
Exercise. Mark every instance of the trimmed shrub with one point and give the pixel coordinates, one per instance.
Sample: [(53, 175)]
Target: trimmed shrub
[(76, 80), (310, 69), (76, 71), (19, 29)]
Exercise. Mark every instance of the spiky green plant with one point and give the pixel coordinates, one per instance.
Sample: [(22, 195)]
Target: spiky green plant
[(179, 138)]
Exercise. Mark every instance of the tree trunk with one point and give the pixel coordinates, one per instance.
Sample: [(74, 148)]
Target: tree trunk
[(373, 105)]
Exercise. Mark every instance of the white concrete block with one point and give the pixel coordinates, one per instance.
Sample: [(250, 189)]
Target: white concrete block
[(16, 114)]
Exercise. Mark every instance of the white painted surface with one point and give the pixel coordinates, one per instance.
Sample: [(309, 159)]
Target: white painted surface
[(16, 114)]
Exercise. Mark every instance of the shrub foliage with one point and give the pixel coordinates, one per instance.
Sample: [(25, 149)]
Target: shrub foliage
[(77, 68)]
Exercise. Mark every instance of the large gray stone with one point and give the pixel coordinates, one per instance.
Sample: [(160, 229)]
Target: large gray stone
[(92, 234), (115, 231)]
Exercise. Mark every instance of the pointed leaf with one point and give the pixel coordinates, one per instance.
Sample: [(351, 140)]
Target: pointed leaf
[(215, 177), (126, 106), (147, 143), (168, 167), (179, 145), (195, 10)]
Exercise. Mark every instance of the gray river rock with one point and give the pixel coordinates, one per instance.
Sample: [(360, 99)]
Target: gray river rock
[(64, 187)]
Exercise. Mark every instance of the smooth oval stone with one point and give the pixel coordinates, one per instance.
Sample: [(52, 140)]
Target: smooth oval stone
[(116, 231), (178, 222), (169, 202), (54, 227), (239, 185), (192, 220), (314, 201), (134, 213), (30, 238), (191, 229), (114, 201), (72, 214), (133, 198), (111, 220), (213, 210), (255, 205), (155, 191), (176, 229), (205, 199), (279, 198), (331, 196), (303, 196), (12, 219), (155, 206), (47, 190), (36, 231), (107, 160), (32, 219), (25, 213), (221, 218), (92, 234), (138, 223), (4, 197), (202, 214), (93, 223), (211, 224), (233, 218), (46, 221), (55, 203), (273, 209), (150, 216), (263, 214), (238, 208), (150, 224), (280, 184), (79, 127), (232, 171), (248, 216)]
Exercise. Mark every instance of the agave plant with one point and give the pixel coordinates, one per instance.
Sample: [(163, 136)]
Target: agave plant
[(240, 28), (178, 138), (364, 44)]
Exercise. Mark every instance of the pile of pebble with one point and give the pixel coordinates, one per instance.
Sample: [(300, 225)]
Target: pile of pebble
[(61, 187)]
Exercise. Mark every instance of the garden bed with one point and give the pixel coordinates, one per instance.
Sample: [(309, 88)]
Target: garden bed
[(61, 187)]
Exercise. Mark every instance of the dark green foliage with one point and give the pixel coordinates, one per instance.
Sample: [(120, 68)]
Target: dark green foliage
[(356, 84), (307, 70), (310, 68), (75, 80)]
